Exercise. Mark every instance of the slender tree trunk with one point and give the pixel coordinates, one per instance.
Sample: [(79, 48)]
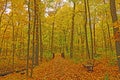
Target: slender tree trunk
[(78, 41), (37, 33), (65, 42), (90, 25), (37, 45), (72, 32), (52, 39), (28, 45), (13, 39), (23, 44), (41, 43), (85, 26), (33, 39), (13, 43), (82, 42), (94, 35)]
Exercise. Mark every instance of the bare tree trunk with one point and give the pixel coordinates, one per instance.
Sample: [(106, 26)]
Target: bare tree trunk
[(37, 36), (13, 43), (72, 32), (13, 39), (28, 45), (89, 16), (85, 26), (52, 39), (114, 19), (78, 41), (94, 35), (41, 43), (37, 45), (33, 38), (82, 42)]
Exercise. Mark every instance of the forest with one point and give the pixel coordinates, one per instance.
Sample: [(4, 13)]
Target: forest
[(59, 40)]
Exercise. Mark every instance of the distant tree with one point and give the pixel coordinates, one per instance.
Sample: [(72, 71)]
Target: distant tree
[(72, 31), (13, 37), (1, 15)]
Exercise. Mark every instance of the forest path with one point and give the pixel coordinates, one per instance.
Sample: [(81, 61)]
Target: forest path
[(59, 69), (65, 69)]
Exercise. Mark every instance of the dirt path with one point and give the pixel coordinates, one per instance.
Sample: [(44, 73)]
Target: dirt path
[(62, 69)]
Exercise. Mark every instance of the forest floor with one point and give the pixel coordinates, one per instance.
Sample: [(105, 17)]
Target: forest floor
[(64, 69)]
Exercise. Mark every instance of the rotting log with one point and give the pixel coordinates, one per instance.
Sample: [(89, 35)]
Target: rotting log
[(10, 72)]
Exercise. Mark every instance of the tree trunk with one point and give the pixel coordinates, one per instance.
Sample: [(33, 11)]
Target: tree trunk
[(114, 19), (37, 36), (33, 39), (52, 39), (13, 39), (41, 43), (37, 45), (72, 32), (28, 45), (85, 26), (89, 16), (94, 34)]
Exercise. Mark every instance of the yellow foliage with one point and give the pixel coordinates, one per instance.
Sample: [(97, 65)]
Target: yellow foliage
[(116, 24)]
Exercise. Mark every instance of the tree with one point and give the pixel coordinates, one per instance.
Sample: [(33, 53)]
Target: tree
[(40, 25), (90, 25), (85, 27), (36, 12), (13, 37), (28, 46), (33, 40), (115, 29), (72, 31), (1, 15)]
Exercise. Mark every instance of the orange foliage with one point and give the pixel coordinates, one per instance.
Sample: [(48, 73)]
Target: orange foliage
[(62, 69)]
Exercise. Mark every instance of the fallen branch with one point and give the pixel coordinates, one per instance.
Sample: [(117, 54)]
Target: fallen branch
[(10, 72)]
